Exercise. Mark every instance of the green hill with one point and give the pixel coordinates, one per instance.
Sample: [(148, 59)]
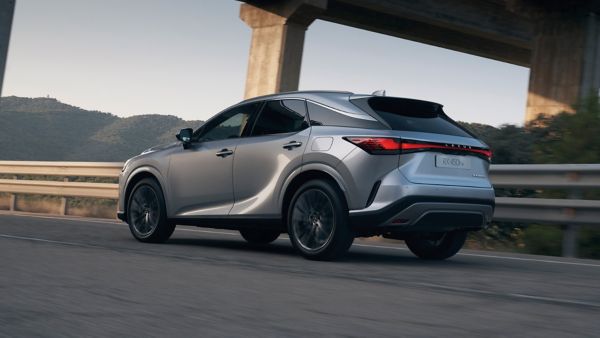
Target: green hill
[(47, 129)]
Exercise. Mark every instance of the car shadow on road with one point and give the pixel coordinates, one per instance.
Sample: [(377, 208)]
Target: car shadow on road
[(280, 248), (397, 258), (234, 244)]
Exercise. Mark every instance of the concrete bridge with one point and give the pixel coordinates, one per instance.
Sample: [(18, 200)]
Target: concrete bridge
[(558, 40)]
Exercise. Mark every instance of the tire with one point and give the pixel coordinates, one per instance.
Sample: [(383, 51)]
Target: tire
[(146, 213), (445, 246), (317, 221), (259, 236)]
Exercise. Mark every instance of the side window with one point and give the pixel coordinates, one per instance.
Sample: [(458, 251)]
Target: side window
[(282, 116), (229, 124), (322, 116)]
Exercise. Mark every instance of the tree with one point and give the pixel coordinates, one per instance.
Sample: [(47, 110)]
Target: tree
[(566, 137), (510, 144)]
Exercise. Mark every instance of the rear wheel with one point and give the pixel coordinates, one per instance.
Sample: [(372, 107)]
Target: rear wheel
[(317, 221), (146, 213), (437, 246), (259, 236)]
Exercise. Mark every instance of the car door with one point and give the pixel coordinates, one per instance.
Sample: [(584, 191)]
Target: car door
[(264, 159), (200, 177)]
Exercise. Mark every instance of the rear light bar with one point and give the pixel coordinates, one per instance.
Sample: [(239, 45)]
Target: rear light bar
[(377, 145), (391, 145)]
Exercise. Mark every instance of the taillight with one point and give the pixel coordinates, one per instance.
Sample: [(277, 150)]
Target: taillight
[(377, 145), (409, 146), (391, 145)]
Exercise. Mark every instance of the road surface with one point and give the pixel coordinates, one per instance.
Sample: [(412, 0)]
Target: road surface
[(77, 277)]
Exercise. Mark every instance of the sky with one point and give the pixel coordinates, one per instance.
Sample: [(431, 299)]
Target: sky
[(189, 58)]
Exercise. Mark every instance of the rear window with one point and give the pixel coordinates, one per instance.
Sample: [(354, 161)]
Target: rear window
[(412, 115)]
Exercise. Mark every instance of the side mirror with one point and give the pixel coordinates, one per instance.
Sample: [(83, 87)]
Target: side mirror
[(185, 136)]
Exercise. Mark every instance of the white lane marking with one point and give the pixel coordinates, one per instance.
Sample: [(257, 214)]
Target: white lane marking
[(528, 259), (34, 239), (515, 295), (86, 220), (490, 256), (208, 232), (552, 299), (381, 247)]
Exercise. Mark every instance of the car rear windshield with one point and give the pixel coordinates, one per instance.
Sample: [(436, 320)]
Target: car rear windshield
[(412, 115)]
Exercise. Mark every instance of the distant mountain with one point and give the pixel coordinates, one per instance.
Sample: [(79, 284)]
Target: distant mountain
[(45, 129)]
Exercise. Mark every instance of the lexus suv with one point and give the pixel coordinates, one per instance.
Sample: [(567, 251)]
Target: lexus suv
[(324, 167)]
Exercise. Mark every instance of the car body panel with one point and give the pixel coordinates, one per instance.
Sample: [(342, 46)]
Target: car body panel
[(200, 182), (260, 167)]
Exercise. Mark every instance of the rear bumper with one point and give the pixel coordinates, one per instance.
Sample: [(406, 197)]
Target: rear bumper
[(402, 206), (426, 214)]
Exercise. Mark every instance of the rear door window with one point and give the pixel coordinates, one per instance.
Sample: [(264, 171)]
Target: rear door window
[(281, 116)]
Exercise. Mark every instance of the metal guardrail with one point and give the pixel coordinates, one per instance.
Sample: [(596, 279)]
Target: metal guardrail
[(79, 189), (560, 176), (64, 188), (59, 188), (571, 212), (573, 178), (50, 168)]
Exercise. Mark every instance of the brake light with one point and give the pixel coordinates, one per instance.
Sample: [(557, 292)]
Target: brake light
[(377, 145), (391, 145), (408, 147)]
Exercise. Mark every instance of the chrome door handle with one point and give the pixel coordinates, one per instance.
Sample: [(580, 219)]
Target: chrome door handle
[(293, 144), (224, 152)]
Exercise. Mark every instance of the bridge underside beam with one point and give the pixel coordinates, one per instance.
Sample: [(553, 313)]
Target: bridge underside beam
[(418, 23), (558, 40)]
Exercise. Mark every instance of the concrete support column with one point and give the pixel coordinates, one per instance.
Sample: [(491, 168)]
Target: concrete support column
[(565, 63), (7, 9), (276, 48)]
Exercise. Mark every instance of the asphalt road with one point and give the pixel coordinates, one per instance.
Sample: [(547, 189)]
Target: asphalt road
[(71, 277)]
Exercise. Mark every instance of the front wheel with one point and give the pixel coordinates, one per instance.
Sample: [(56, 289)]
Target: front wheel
[(146, 213), (317, 221), (437, 246)]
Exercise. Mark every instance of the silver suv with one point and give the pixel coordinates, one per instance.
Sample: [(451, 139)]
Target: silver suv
[(325, 167)]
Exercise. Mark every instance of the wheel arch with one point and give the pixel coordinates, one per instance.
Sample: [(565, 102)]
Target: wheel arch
[(136, 176), (305, 176)]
